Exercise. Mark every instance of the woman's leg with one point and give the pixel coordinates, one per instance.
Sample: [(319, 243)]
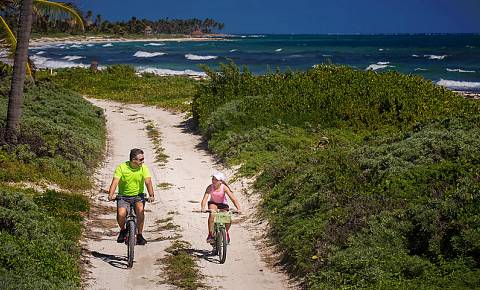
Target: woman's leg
[(211, 217)]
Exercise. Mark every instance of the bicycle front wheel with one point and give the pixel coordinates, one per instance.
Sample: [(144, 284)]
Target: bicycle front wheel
[(222, 245), (131, 243)]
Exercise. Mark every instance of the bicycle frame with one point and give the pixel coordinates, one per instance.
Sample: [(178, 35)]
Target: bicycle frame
[(131, 226)]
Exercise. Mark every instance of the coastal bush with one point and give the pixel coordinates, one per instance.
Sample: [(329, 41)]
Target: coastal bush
[(121, 83), (327, 95), (61, 138), (368, 180), (39, 239)]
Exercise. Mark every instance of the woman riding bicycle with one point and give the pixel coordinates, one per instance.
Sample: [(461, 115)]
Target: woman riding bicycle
[(218, 191)]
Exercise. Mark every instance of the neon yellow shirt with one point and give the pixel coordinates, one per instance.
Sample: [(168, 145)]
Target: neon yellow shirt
[(132, 180)]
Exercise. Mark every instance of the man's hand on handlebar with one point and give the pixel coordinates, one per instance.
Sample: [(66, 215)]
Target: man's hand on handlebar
[(151, 198), (111, 197)]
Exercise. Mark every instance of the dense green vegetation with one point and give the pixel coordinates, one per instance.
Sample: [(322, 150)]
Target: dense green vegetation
[(62, 137), (39, 236), (368, 180), (121, 83)]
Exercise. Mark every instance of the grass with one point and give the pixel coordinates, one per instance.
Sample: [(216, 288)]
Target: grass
[(155, 137), (180, 267), (170, 92), (165, 185)]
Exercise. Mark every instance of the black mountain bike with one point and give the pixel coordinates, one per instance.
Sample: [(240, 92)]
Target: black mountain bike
[(131, 226)]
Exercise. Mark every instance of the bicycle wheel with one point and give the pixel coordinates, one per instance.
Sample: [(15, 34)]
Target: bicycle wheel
[(131, 243), (222, 245)]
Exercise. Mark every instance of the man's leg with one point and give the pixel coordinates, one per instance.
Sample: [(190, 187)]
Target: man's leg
[(140, 216), (139, 211), (121, 218)]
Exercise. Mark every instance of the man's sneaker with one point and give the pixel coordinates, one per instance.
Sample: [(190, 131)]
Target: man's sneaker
[(121, 236), (141, 240), (210, 239), (228, 238)]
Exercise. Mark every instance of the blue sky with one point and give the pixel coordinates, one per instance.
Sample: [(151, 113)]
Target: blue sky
[(306, 16)]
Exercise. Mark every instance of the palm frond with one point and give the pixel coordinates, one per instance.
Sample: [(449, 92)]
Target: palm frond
[(7, 38), (9, 42), (57, 11)]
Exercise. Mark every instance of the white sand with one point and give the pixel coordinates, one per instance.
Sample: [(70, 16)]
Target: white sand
[(99, 39), (189, 169)]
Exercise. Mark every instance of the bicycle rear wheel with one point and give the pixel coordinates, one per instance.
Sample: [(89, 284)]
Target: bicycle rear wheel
[(131, 243), (222, 245)]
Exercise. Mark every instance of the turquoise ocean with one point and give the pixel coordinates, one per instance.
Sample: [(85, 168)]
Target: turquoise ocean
[(451, 60)]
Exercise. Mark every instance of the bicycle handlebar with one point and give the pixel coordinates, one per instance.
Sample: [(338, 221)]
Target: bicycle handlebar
[(234, 211)]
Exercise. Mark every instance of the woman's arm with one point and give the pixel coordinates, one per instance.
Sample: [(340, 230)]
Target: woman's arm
[(232, 197), (203, 204)]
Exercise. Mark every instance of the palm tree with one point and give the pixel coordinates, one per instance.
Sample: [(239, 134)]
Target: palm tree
[(20, 46)]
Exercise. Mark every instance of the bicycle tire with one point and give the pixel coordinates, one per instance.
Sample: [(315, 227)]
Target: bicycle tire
[(222, 245), (131, 243)]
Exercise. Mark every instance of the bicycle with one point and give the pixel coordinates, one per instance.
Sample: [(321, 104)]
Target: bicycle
[(220, 232), (131, 226)]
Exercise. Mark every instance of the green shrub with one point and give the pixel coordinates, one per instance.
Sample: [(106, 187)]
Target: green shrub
[(37, 250), (368, 180), (61, 138)]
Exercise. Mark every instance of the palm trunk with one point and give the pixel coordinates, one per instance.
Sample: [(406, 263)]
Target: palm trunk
[(19, 71)]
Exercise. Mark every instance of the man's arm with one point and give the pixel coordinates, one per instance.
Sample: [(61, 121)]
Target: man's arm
[(151, 194), (113, 186)]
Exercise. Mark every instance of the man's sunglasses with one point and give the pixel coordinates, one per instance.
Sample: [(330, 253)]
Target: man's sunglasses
[(141, 159)]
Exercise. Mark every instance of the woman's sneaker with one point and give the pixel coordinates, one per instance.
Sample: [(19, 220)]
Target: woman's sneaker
[(121, 236), (141, 240)]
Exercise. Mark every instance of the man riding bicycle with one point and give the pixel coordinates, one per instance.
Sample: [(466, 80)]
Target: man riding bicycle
[(130, 176)]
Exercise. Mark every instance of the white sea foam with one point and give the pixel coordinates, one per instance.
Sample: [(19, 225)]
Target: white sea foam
[(380, 49), (72, 57), (432, 56), (90, 44), (379, 65), (459, 70), (169, 72), (40, 52), (420, 69), (148, 54), (415, 55), (107, 45), (76, 46), (232, 50), (278, 49), (469, 46), (43, 62), (326, 55), (154, 44), (459, 85), (199, 57)]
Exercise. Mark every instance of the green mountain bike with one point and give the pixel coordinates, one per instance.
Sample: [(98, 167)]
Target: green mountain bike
[(220, 233)]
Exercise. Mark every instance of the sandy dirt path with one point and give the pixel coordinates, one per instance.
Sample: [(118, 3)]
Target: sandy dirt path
[(188, 169)]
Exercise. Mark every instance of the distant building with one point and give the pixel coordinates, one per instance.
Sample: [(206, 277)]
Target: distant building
[(197, 33), (148, 30)]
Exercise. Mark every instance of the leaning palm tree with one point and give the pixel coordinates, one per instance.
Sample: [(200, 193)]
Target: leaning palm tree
[(20, 46)]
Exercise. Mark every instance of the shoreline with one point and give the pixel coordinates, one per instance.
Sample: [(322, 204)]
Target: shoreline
[(34, 42)]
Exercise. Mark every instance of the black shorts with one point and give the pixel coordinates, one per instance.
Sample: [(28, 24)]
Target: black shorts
[(219, 205)]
